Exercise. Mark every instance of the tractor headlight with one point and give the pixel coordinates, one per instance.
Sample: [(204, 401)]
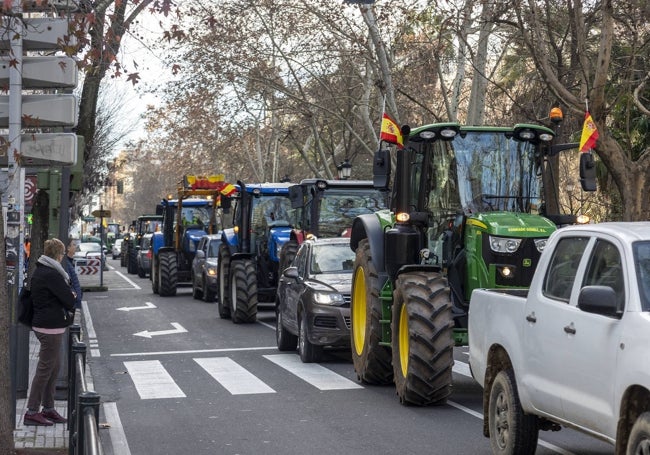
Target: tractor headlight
[(328, 298), (540, 244), (504, 244), (212, 271)]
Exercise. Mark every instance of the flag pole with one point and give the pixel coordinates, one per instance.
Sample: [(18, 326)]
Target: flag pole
[(381, 118)]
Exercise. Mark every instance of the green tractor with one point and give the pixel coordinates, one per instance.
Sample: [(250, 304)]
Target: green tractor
[(467, 211), (144, 224)]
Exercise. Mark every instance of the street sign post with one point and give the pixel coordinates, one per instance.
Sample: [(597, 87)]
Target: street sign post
[(42, 111)]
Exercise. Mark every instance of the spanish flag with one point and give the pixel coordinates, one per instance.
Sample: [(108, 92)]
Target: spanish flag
[(589, 134), (390, 132)]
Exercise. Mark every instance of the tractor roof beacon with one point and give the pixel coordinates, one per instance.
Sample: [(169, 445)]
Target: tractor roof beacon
[(249, 253), (467, 211)]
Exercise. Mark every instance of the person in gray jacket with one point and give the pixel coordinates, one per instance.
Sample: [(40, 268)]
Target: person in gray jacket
[(54, 302)]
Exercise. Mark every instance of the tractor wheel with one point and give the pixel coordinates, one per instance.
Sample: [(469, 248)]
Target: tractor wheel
[(154, 276), (511, 431), (168, 273), (132, 264), (287, 253), (208, 295), (371, 360), (422, 339), (243, 291), (223, 276)]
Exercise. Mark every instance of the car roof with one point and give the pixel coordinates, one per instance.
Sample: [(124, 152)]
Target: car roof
[(330, 241), (626, 231)]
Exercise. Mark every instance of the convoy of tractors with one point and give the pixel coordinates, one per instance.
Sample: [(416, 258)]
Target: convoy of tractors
[(464, 208)]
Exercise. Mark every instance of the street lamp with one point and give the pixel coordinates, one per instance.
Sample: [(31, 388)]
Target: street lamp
[(569, 189), (344, 169)]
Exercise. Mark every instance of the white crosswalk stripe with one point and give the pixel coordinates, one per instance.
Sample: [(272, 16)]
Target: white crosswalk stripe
[(235, 378), (316, 375), (152, 380)]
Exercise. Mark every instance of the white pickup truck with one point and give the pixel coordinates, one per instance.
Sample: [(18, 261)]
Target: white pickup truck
[(573, 350)]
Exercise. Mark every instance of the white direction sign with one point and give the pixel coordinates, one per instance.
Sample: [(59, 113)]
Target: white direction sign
[(44, 150), (40, 34), (177, 329), (43, 72), (43, 111), (147, 306)]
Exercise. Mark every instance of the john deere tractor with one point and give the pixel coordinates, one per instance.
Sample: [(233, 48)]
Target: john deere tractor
[(194, 213), (467, 211), (250, 251), (326, 208)]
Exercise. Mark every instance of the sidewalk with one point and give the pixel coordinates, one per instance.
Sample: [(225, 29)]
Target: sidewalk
[(53, 437)]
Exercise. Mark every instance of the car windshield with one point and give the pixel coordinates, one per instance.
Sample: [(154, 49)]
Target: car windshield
[(332, 258), (90, 247), (213, 249)]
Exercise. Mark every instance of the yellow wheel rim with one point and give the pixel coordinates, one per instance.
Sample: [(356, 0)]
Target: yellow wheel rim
[(403, 338), (359, 310)]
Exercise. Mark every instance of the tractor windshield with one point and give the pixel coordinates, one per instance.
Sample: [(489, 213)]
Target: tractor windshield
[(195, 216), (482, 171), (270, 210), (339, 207)]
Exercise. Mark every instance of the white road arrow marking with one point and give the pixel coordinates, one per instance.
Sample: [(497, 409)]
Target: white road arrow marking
[(146, 306), (177, 329)]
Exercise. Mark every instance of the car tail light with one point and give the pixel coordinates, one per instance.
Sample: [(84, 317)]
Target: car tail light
[(148, 254)]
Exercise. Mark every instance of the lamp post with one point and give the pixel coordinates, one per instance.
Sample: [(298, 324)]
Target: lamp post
[(569, 189), (344, 169)]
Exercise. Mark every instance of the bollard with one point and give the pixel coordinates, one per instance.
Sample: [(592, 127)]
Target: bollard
[(76, 382)]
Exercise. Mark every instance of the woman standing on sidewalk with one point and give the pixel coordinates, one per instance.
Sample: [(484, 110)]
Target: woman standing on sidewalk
[(54, 302)]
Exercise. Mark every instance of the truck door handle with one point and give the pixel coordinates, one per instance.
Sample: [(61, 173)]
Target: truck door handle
[(531, 317), (570, 329)]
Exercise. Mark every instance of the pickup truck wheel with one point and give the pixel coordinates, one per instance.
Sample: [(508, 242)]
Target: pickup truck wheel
[(372, 362), (422, 339), (243, 291), (639, 441), (168, 273), (223, 278), (511, 431)]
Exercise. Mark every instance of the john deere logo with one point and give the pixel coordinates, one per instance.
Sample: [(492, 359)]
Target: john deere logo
[(527, 263)]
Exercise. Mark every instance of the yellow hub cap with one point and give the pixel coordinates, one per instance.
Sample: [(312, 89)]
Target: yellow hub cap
[(359, 310), (404, 340)]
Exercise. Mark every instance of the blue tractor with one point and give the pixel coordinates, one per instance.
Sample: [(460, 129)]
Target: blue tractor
[(185, 220), (249, 255)]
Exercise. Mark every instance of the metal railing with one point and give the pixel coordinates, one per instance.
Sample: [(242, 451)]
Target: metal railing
[(83, 404)]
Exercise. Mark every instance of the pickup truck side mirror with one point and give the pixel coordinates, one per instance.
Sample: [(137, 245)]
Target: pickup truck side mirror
[(599, 300)]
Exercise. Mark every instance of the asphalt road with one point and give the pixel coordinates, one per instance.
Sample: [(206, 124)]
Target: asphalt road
[(176, 379)]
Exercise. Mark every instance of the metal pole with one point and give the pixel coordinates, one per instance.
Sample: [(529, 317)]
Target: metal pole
[(15, 192)]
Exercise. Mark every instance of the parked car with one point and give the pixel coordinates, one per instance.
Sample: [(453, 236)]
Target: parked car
[(89, 250), (116, 250), (204, 269), (313, 298), (143, 256)]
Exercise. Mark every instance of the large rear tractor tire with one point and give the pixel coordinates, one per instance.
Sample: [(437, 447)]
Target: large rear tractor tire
[(511, 431), (243, 291), (168, 271), (287, 254), (223, 277), (422, 339), (372, 362)]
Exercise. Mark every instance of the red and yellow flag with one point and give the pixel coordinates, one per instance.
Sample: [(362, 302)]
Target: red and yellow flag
[(390, 132), (589, 134)]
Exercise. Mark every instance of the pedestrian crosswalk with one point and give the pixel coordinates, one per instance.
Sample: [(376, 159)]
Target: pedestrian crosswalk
[(152, 380)]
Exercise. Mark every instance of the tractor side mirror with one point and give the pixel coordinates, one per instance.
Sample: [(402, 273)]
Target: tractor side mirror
[(295, 196), (381, 169), (588, 172)]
